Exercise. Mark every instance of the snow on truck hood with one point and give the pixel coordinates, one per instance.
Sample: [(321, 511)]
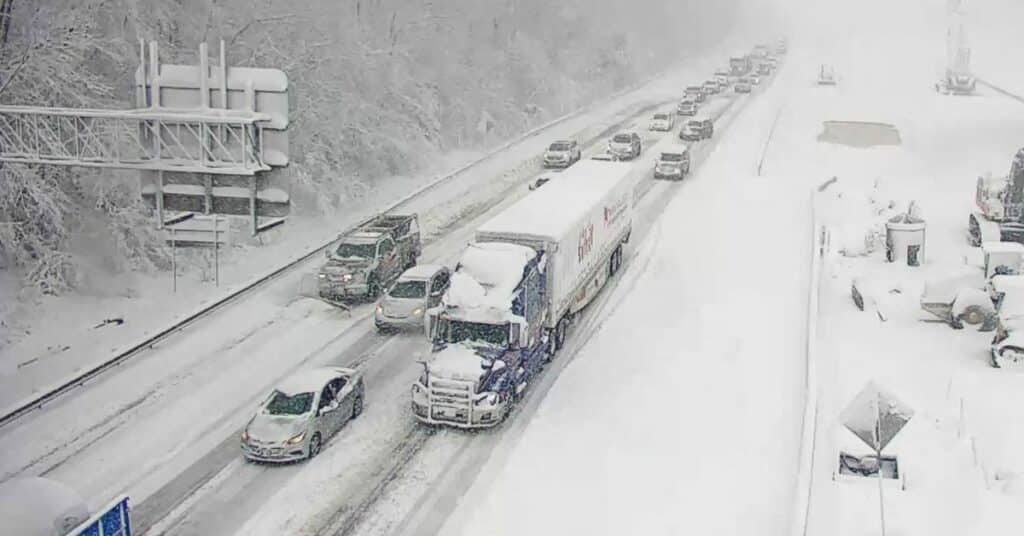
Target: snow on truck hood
[(487, 276), (457, 362)]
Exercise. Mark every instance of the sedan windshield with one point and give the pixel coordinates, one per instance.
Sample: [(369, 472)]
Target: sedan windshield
[(671, 157), (409, 289), (355, 251), (660, 117), (496, 334), (622, 138), (282, 404), (559, 146)]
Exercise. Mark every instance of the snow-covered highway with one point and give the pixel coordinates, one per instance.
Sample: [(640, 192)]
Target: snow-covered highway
[(164, 427)]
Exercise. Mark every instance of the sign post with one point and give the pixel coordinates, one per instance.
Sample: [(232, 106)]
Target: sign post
[(876, 416)]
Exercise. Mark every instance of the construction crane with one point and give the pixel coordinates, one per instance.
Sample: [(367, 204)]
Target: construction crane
[(958, 79)]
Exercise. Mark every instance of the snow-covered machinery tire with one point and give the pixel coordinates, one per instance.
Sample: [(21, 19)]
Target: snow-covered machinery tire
[(973, 315), (981, 229)]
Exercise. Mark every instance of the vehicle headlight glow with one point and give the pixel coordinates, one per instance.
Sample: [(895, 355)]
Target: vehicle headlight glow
[(346, 277), (417, 311), (245, 436), (297, 439), (380, 308), (322, 276), (490, 400)]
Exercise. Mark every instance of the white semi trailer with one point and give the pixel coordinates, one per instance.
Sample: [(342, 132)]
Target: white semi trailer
[(516, 289)]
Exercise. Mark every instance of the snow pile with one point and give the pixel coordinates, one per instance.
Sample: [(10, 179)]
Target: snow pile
[(457, 362), (33, 506), (487, 276), (857, 218)]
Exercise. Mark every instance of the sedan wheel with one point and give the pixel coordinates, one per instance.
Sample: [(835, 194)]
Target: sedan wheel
[(357, 406), (314, 445)]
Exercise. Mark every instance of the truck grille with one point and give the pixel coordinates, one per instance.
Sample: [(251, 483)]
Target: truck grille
[(451, 400)]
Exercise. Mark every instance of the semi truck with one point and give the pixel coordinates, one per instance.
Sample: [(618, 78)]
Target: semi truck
[(516, 289), (740, 65)]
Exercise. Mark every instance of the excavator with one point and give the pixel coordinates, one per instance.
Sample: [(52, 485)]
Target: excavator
[(1000, 201)]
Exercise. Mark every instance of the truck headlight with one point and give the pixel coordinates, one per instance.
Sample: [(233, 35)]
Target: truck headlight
[(488, 401)]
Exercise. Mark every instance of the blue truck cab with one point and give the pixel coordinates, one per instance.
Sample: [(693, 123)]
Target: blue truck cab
[(488, 337)]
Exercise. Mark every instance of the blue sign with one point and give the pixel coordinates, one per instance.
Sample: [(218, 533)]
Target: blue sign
[(112, 521)]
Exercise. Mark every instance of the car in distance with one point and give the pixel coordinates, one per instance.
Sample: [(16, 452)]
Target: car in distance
[(302, 413), (561, 154), (696, 93), (418, 289), (697, 130), (687, 107), (742, 86), (673, 163), (661, 122), (625, 145)]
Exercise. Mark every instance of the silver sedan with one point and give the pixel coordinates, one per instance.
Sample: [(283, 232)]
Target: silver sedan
[(419, 288), (302, 413)]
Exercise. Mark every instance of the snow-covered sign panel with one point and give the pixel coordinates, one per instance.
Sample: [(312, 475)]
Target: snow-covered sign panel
[(876, 416)]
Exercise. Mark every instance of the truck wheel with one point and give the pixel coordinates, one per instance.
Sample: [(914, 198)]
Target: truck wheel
[(616, 261), (560, 329)]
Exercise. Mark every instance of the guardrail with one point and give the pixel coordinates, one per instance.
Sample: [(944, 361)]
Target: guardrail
[(1000, 90), (808, 429), (67, 385), (768, 140)]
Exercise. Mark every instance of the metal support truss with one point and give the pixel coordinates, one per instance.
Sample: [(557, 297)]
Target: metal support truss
[(225, 142)]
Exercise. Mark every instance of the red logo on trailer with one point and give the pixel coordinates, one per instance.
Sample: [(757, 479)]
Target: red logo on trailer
[(586, 241)]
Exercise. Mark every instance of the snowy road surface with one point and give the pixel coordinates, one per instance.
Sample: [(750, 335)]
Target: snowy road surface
[(167, 423), (682, 413)]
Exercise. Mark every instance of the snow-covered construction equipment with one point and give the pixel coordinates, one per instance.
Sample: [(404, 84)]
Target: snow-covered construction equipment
[(958, 79), (515, 290), (1001, 204), (826, 76)]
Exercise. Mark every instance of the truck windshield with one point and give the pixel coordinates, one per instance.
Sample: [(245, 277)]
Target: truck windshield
[(495, 334), (355, 251), (409, 289)]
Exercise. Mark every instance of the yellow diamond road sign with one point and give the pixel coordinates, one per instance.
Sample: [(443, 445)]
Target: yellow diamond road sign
[(876, 416)]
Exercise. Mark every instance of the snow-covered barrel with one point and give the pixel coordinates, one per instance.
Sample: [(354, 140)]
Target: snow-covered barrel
[(904, 239)]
